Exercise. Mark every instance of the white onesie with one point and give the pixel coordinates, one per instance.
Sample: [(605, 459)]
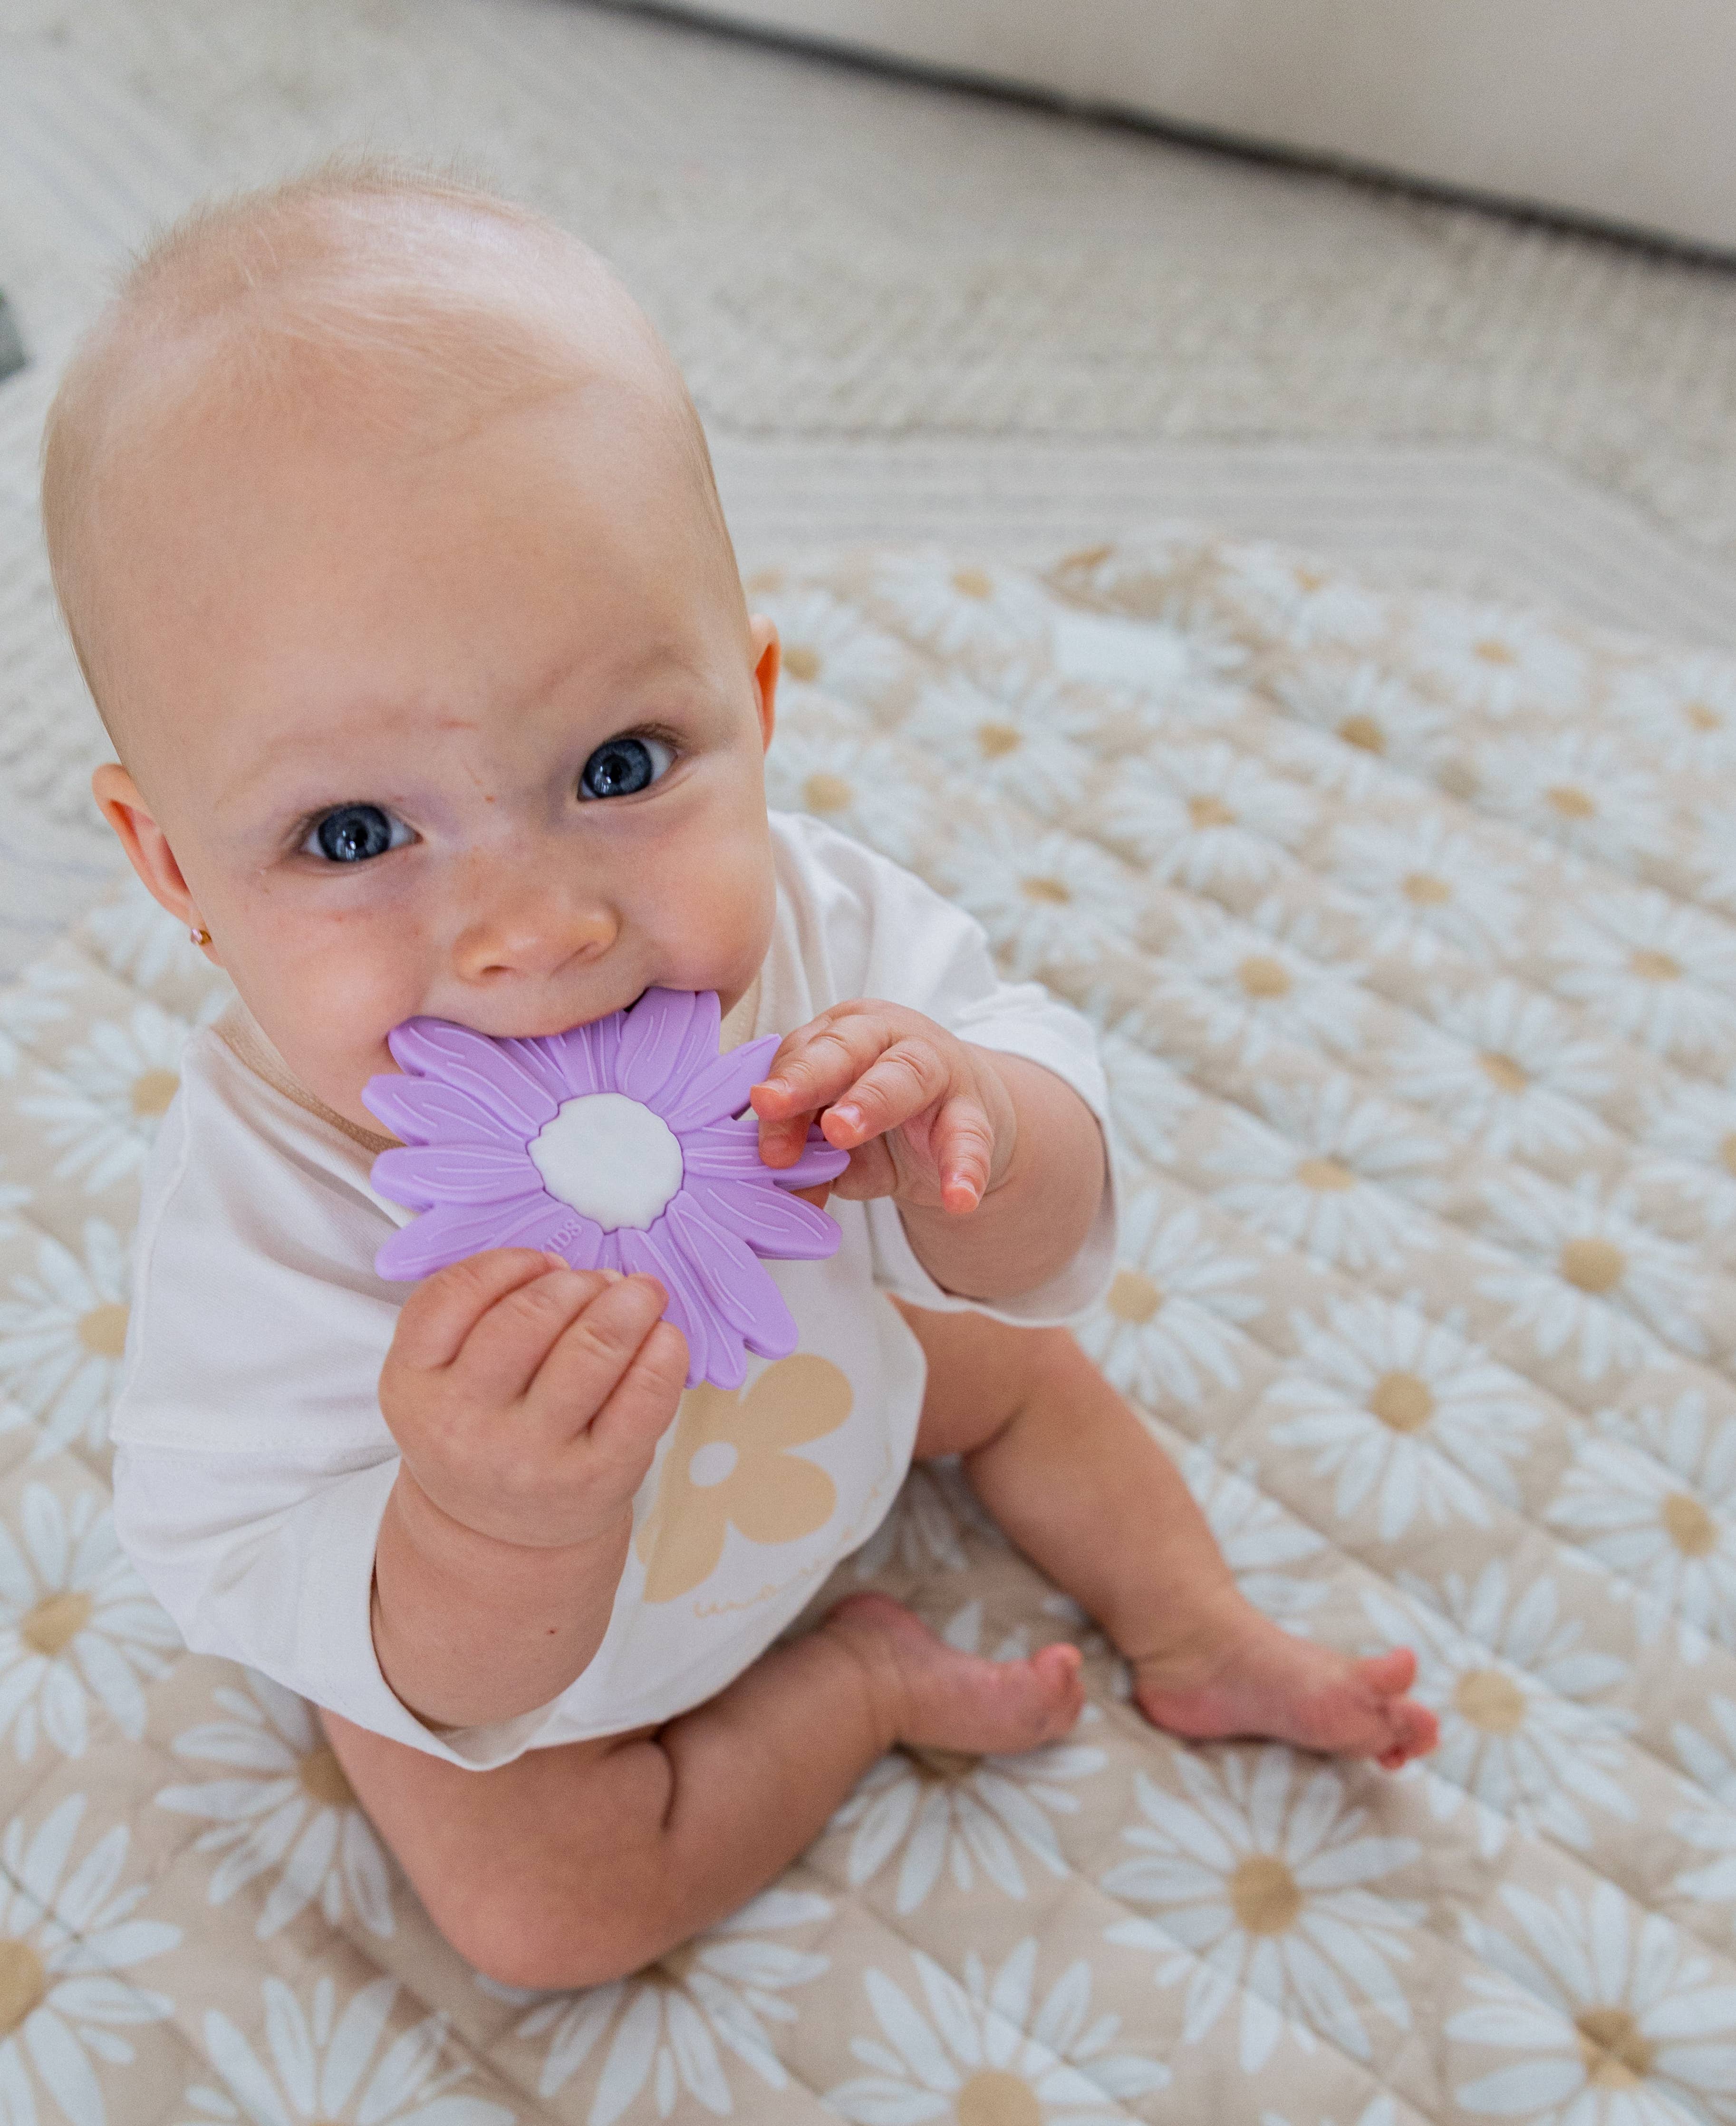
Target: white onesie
[(253, 1464)]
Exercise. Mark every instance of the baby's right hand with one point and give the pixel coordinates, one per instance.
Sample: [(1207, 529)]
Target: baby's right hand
[(528, 1398)]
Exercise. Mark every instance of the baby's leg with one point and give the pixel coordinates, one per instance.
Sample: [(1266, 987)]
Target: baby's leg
[(1075, 1479), (574, 1865)]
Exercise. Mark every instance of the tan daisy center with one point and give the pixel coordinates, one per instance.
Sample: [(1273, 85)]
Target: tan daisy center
[(972, 582), (1492, 651), (323, 1780), (827, 793), (1309, 580), (1615, 2051), (55, 1620), (994, 2097), (23, 1982), (1570, 801), (1365, 732), (1328, 1175), (1490, 1700), (944, 1767), (1502, 1072), (997, 740), (1702, 717), (1726, 1152), (1054, 891), (1423, 889), (800, 662), (1134, 1297), (103, 1329), (1261, 976), (1402, 1402), (1593, 1265), (1264, 1895), (152, 1090), (1653, 966), (1688, 1525), (1210, 812)]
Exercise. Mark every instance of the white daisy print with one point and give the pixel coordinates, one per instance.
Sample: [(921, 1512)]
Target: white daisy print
[(1428, 888), (987, 2053), (69, 1947), (75, 1623), (321, 2067), (1503, 1067), (140, 941), (1653, 970), (101, 1106), (282, 1808), (1165, 1330), (1583, 792), (1684, 707), (827, 644), (679, 2025), (1255, 992), (1378, 2111), (1203, 816), (925, 1531), (1616, 2020), (964, 1816), (1304, 604), (1256, 1536), (1369, 706), (1409, 1417), (960, 737), (1048, 899), (1263, 1885), (1522, 1734), (62, 1333), (1592, 1274), (855, 780), (1496, 661), (1325, 1179), (13, 1197), (39, 997), (1710, 1829), (1661, 1513), (953, 606), (1148, 1099), (1690, 1147)]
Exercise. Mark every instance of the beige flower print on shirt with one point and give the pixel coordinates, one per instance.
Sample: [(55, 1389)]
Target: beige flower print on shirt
[(730, 1465)]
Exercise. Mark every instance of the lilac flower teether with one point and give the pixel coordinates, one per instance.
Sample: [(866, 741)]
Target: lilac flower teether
[(622, 1145)]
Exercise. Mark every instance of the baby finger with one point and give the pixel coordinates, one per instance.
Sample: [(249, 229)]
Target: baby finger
[(502, 1353), (595, 1352), (903, 1080)]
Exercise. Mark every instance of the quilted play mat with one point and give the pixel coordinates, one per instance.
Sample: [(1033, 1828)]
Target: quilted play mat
[(1409, 926)]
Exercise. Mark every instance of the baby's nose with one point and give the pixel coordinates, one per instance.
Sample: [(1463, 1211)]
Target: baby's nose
[(532, 927)]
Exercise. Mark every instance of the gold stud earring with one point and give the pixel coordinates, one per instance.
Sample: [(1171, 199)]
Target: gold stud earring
[(201, 935)]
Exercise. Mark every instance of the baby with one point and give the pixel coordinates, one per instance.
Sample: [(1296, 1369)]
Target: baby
[(386, 533)]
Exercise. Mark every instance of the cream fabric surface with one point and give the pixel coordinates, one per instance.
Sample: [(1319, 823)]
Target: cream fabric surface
[(1408, 925)]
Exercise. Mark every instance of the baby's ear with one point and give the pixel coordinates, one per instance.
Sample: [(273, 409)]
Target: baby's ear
[(147, 847), (767, 663)]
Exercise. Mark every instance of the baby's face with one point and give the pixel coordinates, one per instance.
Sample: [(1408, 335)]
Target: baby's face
[(477, 734)]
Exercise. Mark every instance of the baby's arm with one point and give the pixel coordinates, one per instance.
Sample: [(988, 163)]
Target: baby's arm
[(527, 1401), (998, 1166)]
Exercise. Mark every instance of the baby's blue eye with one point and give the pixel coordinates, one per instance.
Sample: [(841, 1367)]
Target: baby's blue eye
[(352, 834), (625, 765)]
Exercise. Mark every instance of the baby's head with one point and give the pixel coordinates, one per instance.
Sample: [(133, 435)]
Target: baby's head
[(387, 536)]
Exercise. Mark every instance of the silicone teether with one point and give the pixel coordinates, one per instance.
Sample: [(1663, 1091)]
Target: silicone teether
[(623, 1145)]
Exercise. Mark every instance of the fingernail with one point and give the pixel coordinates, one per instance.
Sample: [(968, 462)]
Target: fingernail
[(554, 1261), (851, 1116)]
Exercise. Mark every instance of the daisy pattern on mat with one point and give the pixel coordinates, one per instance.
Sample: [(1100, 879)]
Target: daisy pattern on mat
[(1001, 753), (1368, 706), (964, 1816), (1684, 706), (954, 607), (1426, 888), (827, 644), (1166, 1331), (857, 781), (1709, 1824), (1688, 1143), (1582, 791), (75, 1623), (1307, 605), (1505, 1067), (323, 2065), (987, 2053), (1254, 992), (1262, 1886), (1256, 1536), (1615, 2019), (38, 997), (1324, 1178), (1657, 972), (1653, 1496), (1408, 1416), (69, 1946), (1521, 1736), (1590, 1275), (282, 1808), (101, 1108), (1148, 1099), (62, 1332), (1487, 657), (926, 1527), (680, 2023), (1202, 816), (1047, 899)]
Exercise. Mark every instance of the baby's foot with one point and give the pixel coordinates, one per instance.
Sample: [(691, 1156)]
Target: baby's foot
[(938, 1698), (1259, 1681)]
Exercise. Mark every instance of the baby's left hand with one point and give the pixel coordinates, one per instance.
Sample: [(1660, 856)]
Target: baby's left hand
[(926, 1117)]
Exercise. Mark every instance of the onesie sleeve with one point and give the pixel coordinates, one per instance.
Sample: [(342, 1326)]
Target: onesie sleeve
[(874, 930)]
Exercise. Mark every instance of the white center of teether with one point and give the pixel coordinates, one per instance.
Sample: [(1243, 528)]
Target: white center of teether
[(611, 1159), (711, 1463)]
